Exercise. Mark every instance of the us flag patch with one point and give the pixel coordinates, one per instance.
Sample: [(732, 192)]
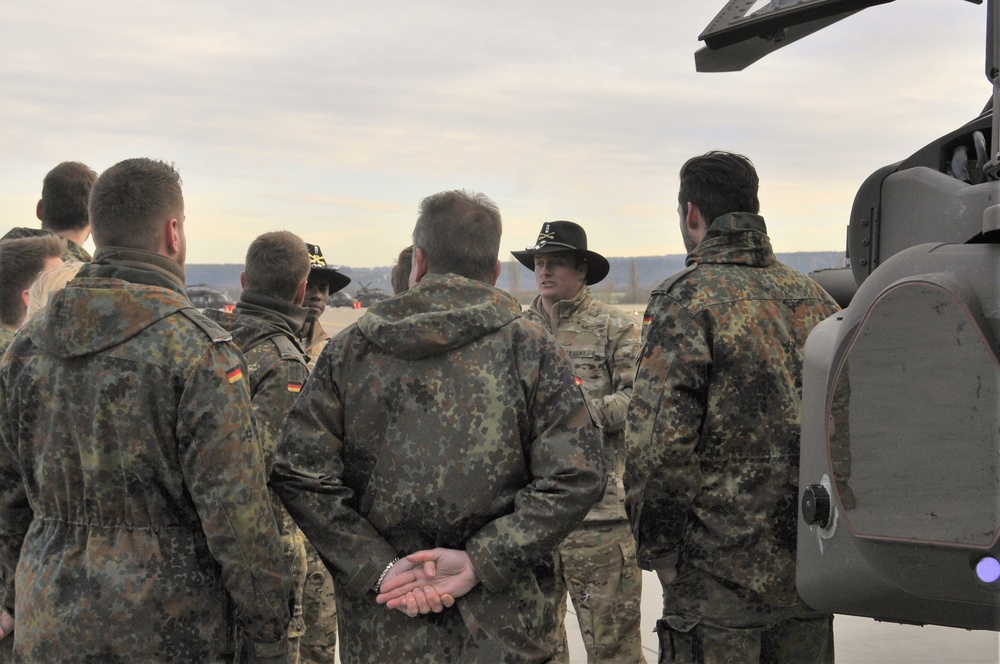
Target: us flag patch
[(234, 374), (294, 387)]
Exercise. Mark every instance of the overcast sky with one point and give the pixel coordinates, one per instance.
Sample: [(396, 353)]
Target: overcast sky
[(334, 119)]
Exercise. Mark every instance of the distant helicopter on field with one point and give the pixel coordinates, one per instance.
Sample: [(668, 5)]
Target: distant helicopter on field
[(368, 296), (899, 479)]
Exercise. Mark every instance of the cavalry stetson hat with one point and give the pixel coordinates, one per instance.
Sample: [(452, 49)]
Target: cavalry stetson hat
[(565, 236), (317, 265)]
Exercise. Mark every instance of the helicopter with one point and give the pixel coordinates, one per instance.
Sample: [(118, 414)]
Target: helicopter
[(899, 479), (367, 296)]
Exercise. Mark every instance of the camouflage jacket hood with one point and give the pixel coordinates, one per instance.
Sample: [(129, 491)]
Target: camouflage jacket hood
[(258, 317), (120, 294), (425, 320), (738, 238)]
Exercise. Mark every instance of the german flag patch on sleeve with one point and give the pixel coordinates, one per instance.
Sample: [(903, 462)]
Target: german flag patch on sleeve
[(294, 387), (234, 374)]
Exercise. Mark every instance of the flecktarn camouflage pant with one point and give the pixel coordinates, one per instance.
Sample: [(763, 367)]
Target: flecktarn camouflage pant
[(705, 621)]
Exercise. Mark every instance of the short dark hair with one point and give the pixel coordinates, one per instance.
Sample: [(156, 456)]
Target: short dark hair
[(66, 195), (400, 276), (459, 232), (719, 183), (20, 262), (130, 202), (276, 264)]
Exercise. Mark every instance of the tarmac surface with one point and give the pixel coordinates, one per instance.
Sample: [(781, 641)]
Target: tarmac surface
[(856, 640)]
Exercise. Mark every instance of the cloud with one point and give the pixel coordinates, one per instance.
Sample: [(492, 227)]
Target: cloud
[(333, 119)]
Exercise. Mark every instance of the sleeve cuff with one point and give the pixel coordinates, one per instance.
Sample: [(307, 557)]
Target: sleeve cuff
[(270, 650), (489, 575), (659, 562)]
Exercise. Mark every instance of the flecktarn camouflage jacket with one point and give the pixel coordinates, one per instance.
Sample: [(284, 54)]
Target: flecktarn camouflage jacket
[(133, 502), (713, 425), (263, 327), (442, 419)]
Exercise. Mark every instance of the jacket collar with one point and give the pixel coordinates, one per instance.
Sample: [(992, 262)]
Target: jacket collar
[(564, 309), (135, 266), (288, 316), (737, 238)]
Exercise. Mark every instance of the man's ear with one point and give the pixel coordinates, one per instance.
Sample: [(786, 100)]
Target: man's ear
[(496, 274), (24, 298), (692, 217), (172, 236), (243, 279), (300, 292), (419, 268), (40, 209)]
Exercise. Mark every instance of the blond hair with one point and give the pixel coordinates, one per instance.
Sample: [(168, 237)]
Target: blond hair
[(48, 282)]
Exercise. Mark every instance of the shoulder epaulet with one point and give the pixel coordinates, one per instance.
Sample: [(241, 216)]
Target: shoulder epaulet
[(288, 348), (211, 329), (674, 278)]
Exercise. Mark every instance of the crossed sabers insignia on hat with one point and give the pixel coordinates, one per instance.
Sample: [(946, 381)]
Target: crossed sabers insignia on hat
[(545, 236), (317, 261)]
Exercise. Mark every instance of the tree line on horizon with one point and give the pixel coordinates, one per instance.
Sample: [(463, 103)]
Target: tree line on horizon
[(630, 280)]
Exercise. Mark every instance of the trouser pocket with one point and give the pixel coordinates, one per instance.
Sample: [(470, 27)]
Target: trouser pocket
[(678, 640)]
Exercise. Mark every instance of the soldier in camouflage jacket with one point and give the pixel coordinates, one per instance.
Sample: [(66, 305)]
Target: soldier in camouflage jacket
[(74, 252), (134, 505), (264, 326), (442, 419), (63, 210), (713, 436), (598, 557)]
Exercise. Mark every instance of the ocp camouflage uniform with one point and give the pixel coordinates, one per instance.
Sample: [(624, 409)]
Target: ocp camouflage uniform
[(442, 419), (598, 557), (314, 343), (713, 439), (319, 644), (319, 612), (133, 502), (262, 327), (74, 252)]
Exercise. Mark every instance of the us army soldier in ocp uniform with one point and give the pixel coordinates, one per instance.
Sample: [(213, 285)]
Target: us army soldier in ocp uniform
[(598, 558), (133, 501), (319, 602)]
